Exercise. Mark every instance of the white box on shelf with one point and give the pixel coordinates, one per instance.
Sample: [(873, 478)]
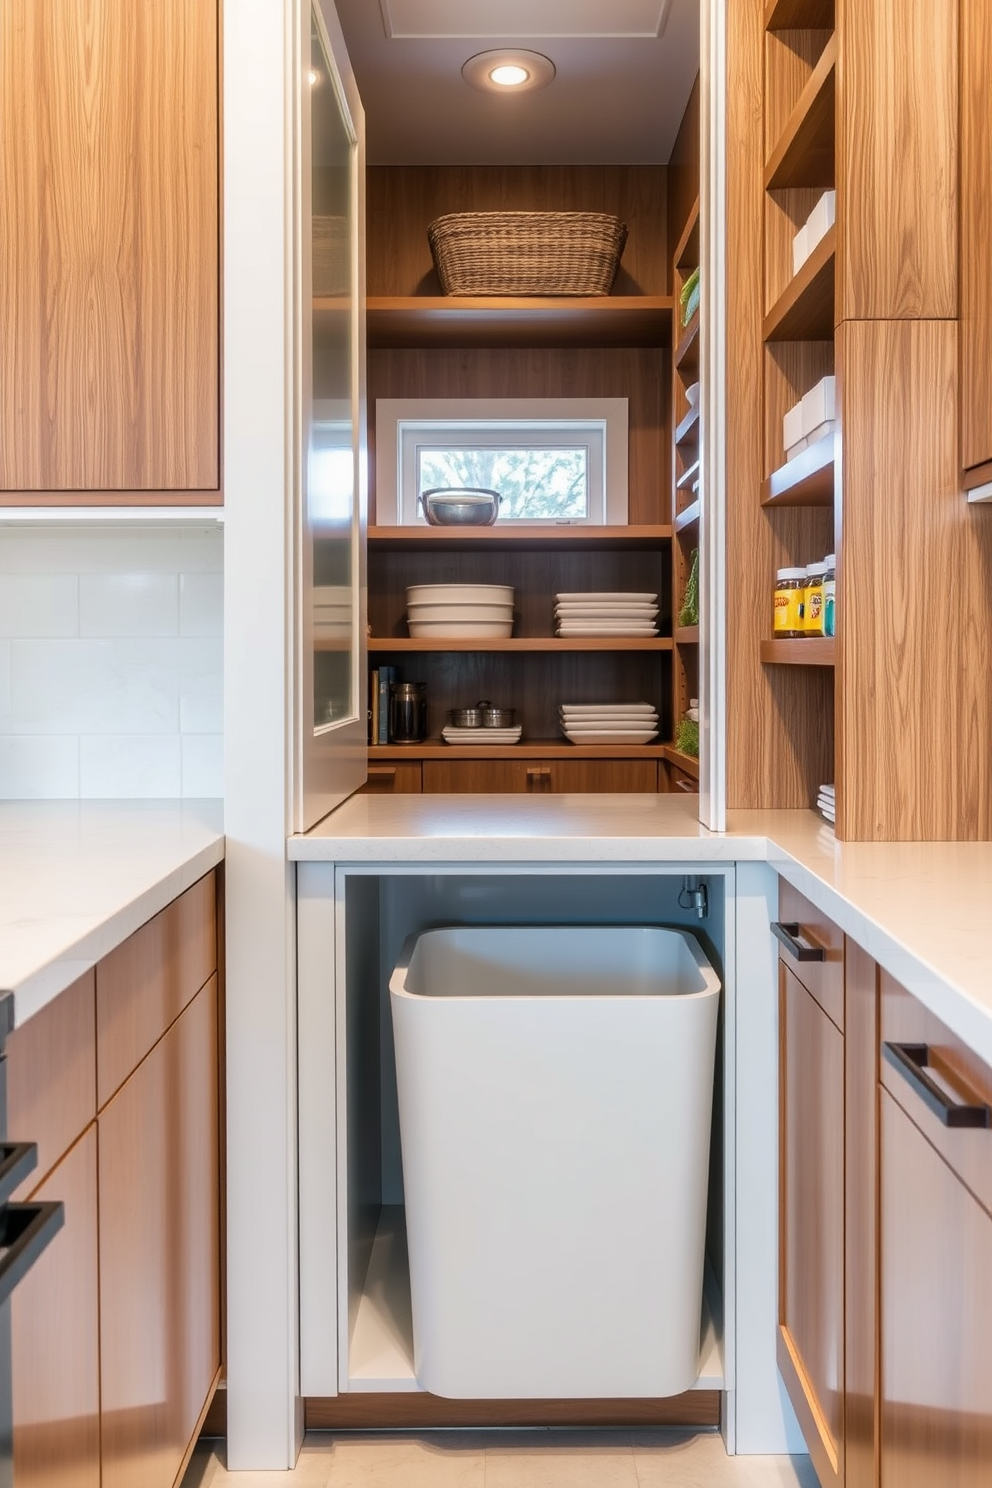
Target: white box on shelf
[(792, 427), (800, 249), (821, 219), (818, 405)]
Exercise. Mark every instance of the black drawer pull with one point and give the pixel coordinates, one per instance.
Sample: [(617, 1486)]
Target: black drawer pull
[(789, 934), (911, 1061)]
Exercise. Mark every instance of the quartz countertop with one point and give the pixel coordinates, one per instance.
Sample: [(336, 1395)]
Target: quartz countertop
[(79, 877), (922, 910)]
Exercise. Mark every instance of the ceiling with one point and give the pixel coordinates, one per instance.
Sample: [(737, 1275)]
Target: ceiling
[(616, 100)]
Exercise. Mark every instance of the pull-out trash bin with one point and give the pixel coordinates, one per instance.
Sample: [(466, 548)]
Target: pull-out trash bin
[(555, 1089)]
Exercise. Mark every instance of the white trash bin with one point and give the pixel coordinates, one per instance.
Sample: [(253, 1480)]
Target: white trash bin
[(555, 1088)]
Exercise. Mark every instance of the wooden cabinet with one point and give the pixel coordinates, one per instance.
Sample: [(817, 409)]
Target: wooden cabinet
[(539, 776), (811, 1190), (109, 320), (976, 238), (403, 778), (160, 1252), (55, 1338)]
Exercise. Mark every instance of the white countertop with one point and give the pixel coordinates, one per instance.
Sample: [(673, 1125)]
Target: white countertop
[(78, 877), (922, 910)]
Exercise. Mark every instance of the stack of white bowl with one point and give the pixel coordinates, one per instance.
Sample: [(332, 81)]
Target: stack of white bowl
[(608, 723), (459, 611), (331, 612), (608, 613)]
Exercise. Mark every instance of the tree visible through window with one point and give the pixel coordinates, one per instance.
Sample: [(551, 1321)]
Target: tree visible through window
[(544, 484)]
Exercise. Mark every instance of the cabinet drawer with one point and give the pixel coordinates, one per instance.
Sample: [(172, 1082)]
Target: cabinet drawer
[(823, 979), (544, 776), (404, 777), (143, 985), (51, 1076), (966, 1078)]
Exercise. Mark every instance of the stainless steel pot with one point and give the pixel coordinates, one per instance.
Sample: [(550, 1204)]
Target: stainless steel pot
[(460, 506)]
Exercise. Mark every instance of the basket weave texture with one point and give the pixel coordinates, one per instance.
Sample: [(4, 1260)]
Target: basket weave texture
[(526, 253), (331, 256)]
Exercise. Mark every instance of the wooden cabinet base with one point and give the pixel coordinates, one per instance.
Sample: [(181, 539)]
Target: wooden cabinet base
[(539, 776), (420, 1411)]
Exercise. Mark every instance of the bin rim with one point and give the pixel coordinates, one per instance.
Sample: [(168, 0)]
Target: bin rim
[(712, 987)]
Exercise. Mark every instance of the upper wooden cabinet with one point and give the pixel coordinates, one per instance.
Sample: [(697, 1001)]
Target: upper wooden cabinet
[(976, 238), (109, 251)]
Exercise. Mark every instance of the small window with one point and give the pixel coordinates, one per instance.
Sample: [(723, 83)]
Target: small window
[(553, 461)]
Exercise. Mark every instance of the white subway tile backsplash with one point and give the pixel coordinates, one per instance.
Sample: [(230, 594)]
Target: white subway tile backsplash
[(111, 662), (39, 604), (33, 769), (203, 764), (201, 604), (136, 767), (132, 604)]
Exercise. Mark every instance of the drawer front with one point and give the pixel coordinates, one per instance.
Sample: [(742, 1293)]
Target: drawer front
[(402, 778), (51, 1076), (537, 776), (143, 985), (967, 1080), (824, 979), (680, 781)]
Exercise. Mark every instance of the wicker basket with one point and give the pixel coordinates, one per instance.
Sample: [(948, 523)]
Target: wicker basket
[(526, 253), (331, 256)]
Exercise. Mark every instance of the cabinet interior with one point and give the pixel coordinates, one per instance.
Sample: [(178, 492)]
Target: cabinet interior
[(375, 1325)]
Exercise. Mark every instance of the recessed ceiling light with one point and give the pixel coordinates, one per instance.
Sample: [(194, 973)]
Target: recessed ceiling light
[(508, 72), (314, 77)]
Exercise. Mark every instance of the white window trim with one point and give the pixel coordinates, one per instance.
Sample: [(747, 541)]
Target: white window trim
[(394, 507)]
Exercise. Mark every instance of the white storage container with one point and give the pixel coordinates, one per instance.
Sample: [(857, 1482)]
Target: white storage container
[(555, 1089), (792, 430), (819, 408)]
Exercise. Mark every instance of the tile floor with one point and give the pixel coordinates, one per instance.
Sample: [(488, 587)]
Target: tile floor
[(513, 1459)]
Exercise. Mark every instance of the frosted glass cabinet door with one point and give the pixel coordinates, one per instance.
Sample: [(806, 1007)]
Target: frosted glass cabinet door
[(331, 594)]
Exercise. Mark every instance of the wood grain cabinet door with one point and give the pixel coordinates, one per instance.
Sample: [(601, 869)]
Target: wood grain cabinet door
[(109, 248), (55, 1339), (540, 776), (936, 1315), (976, 236), (811, 1223), (160, 1252)]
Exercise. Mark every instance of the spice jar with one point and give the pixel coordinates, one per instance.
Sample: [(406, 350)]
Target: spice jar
[(829, 595), (813, 600), (790, 589), (407, 712)]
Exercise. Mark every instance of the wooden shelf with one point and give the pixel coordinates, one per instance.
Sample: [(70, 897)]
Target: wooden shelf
[(690, 474), (804, 155), (686, 254), (686, 762), (687, 350), (379, 645), (799, 15), (687, 635), (687, 432), (806, 480), (688, 519), (804, 651), (535, 539), (435, 749), (804, 311), (494, 321)]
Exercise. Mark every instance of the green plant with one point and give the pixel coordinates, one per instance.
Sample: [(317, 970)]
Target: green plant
[(687, 737), (689, 613)]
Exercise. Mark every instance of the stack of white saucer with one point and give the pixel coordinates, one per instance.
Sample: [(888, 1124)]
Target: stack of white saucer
[(609, 613), (331, 612), (608, 723), (826, 802)]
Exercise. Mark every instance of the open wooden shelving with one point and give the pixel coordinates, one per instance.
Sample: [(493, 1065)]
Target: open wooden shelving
[(687, 349), (794, 15), (504, 321), (687, 635), (687, 431), (508, 538), (380, 645), (688, 518), (687, 762), (436, 749), (804, 311), (804, 153), (805, 480), (815, 651)]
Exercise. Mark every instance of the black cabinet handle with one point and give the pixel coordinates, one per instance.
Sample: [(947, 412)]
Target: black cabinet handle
[(911, 1061), (25, 1231), (789, 934), (17, 1160)]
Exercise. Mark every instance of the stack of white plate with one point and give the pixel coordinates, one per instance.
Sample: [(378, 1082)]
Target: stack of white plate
[(459, 611), (608, 723), (606, 613), (331, 611), (452, 735)]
